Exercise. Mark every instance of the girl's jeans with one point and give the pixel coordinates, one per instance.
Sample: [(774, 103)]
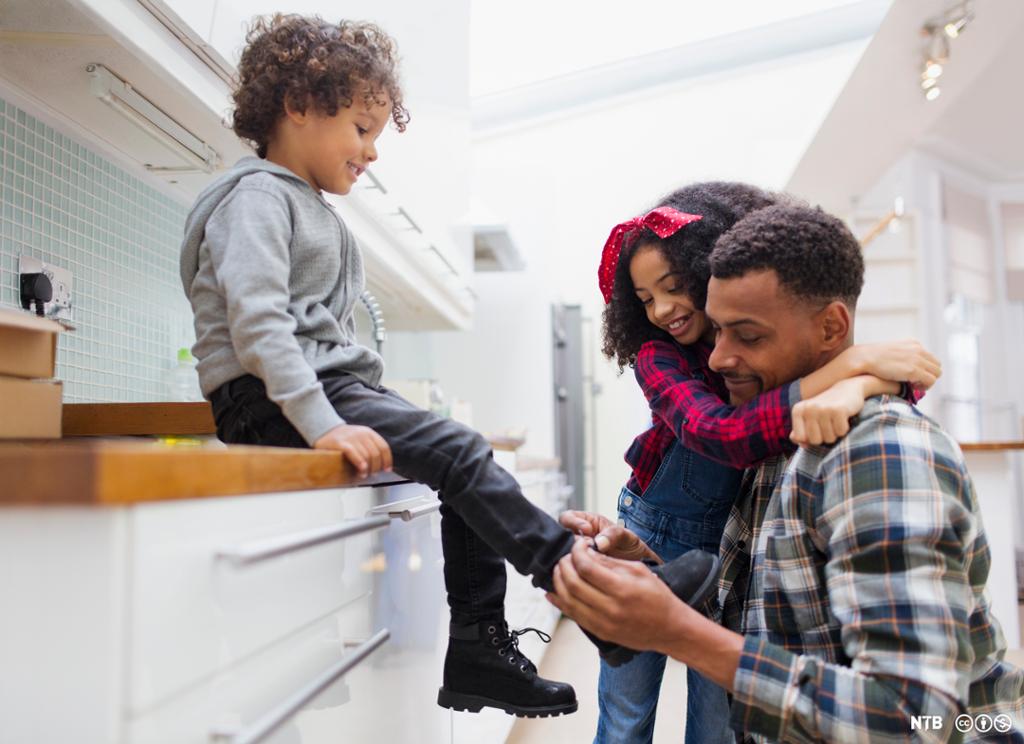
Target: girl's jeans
[(684, 507)]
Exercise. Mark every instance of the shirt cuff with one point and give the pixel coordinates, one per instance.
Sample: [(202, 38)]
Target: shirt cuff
[(793, 393), (313, 415), (764, 688)]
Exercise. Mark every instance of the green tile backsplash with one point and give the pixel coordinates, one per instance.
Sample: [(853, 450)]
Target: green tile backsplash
[(64, 204)]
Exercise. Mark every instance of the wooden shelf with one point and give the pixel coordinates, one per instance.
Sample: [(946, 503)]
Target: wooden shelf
[(137, 419)]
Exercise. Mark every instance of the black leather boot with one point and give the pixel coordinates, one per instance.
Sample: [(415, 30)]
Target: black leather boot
[(485, 668), (692, 577)]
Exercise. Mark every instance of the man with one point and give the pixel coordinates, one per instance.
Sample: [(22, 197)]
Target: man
[(852, 591)]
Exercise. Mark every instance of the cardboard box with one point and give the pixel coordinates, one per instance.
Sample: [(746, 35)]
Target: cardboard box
[(28, 344), (30, 409)]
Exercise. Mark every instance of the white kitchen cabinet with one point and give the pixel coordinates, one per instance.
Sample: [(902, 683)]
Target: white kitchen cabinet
[(124, 625), (194, 15), (62, 577), (195, 612), (236, 699), (429, 165), (138, 625), (388, 697), (229, 23)]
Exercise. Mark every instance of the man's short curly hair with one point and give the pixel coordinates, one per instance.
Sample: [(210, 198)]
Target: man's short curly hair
[(720, 204), (814, 254), (304, 60)]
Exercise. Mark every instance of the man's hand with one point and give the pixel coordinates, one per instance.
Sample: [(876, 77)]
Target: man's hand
[(617, 600), (899, 361), (610, 538), (623, 602), (361, 446)]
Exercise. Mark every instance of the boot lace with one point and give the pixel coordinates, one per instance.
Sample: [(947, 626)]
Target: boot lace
[(510, 645)]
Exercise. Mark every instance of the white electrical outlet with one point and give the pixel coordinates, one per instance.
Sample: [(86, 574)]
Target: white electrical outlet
[(58, 308)]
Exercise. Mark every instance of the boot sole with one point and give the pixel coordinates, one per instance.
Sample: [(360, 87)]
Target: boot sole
[(621, 655), (474, 703)]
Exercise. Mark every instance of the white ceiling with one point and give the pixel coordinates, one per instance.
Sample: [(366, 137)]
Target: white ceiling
[(983, 129), (529, 41), (881, 113), (664, 69)]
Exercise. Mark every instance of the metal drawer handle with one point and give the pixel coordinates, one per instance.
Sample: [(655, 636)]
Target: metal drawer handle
[(409, 509), (280, 715), (260, 550)]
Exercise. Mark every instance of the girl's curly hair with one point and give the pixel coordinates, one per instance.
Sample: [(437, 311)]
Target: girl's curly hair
[(303, 60), (721, 204)]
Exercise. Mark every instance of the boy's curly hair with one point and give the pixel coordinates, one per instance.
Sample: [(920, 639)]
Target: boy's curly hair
[(721, 204), (813, 253), (304, 60)]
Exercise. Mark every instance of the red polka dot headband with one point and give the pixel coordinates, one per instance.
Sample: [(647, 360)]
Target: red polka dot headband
[(664, 221)]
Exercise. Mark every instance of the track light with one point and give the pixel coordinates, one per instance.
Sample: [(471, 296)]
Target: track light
[(956, 23), (937, 34)]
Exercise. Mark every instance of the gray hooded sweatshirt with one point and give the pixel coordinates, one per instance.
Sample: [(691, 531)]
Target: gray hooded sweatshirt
[(273, 275)]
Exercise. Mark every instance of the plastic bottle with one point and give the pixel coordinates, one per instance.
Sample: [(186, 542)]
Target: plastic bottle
[(438, 402), (182, 380)]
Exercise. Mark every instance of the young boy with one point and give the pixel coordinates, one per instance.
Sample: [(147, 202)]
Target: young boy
[(272, 274)]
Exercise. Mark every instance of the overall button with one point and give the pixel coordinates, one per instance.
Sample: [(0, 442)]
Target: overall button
[(628, 501)]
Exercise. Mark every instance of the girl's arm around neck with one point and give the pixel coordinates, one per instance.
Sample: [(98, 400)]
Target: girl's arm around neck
[(680, 397)]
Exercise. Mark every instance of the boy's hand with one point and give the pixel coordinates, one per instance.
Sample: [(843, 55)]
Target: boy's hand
[(609, 538), (361, 445), (899, 361), (584, 523)]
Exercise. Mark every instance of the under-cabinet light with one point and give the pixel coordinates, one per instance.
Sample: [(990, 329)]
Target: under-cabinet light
[(123, 98)]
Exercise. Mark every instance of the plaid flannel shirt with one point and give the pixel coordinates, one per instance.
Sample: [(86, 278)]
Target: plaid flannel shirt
[(686, 399), (857, 574)]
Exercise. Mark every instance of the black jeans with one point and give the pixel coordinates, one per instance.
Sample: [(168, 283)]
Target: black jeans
[(485, 518)]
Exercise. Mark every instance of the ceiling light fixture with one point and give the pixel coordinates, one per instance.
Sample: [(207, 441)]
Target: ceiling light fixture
[(957, 21), (937, 33)]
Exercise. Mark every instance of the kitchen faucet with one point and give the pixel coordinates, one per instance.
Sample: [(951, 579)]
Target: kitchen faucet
[(376, 317)]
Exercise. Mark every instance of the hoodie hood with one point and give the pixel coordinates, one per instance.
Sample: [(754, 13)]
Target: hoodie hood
[(208, 201)]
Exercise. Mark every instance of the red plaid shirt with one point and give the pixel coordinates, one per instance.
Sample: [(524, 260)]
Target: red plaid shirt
[(686, 399)]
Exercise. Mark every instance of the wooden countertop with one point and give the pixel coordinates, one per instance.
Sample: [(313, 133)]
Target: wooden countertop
[(990, 446), (119, 472)]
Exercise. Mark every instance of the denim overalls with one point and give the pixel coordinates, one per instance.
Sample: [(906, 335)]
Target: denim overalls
[(684, 507)]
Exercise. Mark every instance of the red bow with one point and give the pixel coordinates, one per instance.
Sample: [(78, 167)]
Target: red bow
[(664, 221)]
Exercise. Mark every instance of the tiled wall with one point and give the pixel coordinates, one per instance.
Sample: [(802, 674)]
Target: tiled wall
[(65, 204)]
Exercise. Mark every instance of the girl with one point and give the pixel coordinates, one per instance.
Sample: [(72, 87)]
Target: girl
[(687, 466)]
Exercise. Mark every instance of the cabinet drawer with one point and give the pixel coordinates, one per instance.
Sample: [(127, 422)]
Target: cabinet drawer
[(235, 702), (195, 610)]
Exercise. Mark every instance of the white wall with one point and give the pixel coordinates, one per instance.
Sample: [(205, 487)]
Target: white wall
[(930, 245), (563, 183)]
